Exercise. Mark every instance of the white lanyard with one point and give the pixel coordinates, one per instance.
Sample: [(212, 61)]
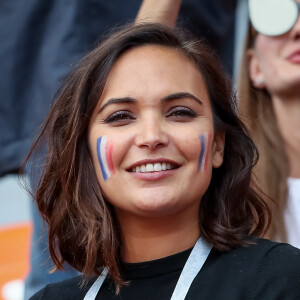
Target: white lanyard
[(191, 268)]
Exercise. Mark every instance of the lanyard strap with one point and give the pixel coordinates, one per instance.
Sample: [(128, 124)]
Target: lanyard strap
[(94, 289), (191, 268)]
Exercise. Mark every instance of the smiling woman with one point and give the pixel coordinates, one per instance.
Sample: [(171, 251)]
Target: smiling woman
[(147, 179)]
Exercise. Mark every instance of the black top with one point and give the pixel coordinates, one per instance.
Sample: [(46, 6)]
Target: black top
[(266, 271)]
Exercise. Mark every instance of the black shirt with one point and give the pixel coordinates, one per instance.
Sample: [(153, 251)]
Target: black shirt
[(266, 270)]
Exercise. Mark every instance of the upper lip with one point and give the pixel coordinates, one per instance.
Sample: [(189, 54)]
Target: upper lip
[(297, 52), (153, 161)]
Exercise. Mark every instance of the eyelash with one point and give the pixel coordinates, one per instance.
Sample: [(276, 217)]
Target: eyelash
[(119, 116), (182, 111), (124, 116)]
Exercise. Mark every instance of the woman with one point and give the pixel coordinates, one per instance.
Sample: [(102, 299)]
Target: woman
[(270, 106), (147, 179)]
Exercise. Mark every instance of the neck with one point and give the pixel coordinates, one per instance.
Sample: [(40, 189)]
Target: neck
[(146, 239), (287, 111)]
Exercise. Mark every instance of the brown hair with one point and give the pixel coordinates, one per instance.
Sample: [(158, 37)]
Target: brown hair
[(83, 229), (271, 171)]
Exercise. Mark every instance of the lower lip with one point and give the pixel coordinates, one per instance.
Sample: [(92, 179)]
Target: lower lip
[(295, 59), (152, 176)]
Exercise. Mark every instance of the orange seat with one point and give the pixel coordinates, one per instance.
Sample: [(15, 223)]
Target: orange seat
[(14, 252)]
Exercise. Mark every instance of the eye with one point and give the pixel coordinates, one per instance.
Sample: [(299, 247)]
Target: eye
[(121, 117), (181, 113)]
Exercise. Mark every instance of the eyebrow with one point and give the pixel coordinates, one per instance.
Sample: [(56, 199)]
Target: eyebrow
[(181, 95), (117, 101), (171, 97)]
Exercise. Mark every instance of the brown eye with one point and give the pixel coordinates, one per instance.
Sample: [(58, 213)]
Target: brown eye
[(120, 117), (181, 112)]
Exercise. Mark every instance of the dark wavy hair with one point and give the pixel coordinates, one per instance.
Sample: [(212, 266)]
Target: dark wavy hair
[(83, 229)]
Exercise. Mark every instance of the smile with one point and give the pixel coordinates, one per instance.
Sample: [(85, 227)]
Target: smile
[(153, 167)]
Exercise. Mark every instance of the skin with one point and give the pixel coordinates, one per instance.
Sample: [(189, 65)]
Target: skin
[(160, 11), (272, 68), (157, 217)]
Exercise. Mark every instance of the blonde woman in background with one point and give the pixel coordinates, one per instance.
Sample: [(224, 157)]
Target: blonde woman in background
[(269, 91)]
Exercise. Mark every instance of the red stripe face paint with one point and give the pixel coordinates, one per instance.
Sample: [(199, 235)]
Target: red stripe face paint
[(104, 152), (108, 153)]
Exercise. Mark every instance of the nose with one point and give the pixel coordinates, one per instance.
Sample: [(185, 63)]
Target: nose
[(152, 134)]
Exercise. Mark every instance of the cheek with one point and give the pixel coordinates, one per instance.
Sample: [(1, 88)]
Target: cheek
[(269, 68), (198, 149), (266, 46), (268, 50), (104, 154)]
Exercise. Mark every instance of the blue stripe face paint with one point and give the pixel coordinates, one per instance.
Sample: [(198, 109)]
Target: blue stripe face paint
[(203, 152), (100, 158), (104, 153)]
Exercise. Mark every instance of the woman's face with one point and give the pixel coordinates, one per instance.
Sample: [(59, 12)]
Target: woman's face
[(151, 136), (275, 62)]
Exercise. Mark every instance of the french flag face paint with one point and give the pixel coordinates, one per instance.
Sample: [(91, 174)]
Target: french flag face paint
[(104, 152), (202, 163)]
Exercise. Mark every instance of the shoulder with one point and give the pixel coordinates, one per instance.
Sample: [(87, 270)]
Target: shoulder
[(258, 252), (72, 289), (269, 256), (276, 269), (262, 270), (276, 254), (282, 253), (261, 249), (279, 273)]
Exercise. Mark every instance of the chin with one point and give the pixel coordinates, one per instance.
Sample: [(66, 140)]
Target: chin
[(156, 206)]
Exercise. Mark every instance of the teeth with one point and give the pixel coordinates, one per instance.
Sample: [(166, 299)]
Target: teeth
[(156, 167), (149, 168)]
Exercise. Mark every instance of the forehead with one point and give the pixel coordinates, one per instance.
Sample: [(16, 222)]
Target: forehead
[(152, 72)]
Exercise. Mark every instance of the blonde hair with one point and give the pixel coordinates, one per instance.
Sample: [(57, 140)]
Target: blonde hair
[(271, 172)]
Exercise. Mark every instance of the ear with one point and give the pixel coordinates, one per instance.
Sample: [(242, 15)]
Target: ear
[(218, 149), (256, 74)]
